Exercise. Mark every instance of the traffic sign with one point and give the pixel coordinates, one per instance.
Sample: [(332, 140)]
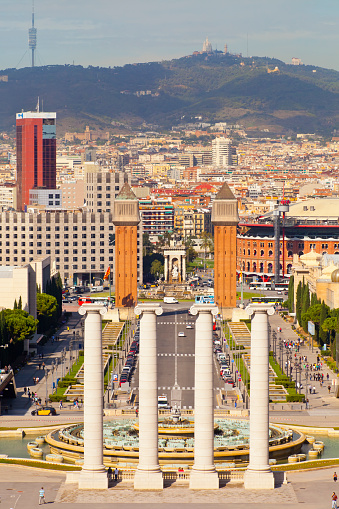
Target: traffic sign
[(114, 377)]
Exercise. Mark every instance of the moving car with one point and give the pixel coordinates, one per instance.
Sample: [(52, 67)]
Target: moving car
[(44, 410), (189, 326), (170, 300), (181, 334)]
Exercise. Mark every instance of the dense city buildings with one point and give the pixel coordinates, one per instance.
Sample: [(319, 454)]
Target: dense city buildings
[(36, 153)]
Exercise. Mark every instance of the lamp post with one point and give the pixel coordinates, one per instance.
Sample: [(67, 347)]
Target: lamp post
[(46, 376)]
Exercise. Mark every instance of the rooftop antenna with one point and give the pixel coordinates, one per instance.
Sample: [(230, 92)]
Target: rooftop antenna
[(32, 36), (38, 105)]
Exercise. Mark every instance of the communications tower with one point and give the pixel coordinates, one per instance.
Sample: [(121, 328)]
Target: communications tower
[(32, 36)]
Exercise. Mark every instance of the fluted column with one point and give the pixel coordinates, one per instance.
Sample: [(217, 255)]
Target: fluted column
[(93, 475), (203, 474), (259, 474), (148, 475)]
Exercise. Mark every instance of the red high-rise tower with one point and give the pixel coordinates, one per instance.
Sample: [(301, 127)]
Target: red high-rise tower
[(36, 153)]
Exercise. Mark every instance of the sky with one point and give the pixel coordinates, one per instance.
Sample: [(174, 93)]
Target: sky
[(113, 33)]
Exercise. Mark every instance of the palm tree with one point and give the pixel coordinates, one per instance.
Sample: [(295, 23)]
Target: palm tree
[(207, 245)]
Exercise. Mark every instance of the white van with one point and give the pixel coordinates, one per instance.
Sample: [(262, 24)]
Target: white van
[(170, 300), (162, 402)]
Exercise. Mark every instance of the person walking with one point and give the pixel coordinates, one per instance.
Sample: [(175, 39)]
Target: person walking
[(109, 473), (335, 477), (329, 389), (116, 473), (334, 500), (60, 405), (42, 496)]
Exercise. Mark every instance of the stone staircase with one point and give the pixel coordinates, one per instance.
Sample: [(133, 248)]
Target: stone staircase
[(110, 338)]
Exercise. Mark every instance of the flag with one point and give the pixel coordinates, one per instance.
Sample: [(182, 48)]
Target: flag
[(107, 274)]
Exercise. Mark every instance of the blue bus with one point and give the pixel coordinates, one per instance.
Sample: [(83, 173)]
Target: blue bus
[(204, 299)]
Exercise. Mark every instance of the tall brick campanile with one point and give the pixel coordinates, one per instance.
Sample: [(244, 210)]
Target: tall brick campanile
[(126, 218), (225, 220)]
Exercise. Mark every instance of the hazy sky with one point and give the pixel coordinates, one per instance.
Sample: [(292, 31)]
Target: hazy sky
[(112, 32)]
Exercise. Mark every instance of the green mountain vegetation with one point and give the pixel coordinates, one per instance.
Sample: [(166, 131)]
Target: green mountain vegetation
[(215, 87)]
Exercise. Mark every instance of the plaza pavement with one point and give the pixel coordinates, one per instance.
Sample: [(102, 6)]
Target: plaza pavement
[(19, 487)]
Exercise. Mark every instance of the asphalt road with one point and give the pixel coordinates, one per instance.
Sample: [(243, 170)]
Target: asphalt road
[(176, 356)]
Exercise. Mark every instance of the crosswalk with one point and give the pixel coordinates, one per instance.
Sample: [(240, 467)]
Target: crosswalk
[(178, 323), (176, 355), (176, 388)]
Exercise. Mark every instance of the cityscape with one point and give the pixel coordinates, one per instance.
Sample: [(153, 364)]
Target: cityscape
[(169, 268)]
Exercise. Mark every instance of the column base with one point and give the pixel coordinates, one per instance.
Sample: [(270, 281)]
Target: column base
[(259, 480), (145, 480), (200, 480), (93, 480)]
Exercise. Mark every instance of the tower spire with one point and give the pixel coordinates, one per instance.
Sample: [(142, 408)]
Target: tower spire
[(32, 36)]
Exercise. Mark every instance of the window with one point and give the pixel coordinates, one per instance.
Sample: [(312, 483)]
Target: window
[(324, 246)]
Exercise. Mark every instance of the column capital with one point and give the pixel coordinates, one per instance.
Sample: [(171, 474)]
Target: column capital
[(251, 309), (204, 308), (92, 308), (148, 307)]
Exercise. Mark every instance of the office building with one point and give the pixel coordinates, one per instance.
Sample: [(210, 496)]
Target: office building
[(222, 152), (36, 153)]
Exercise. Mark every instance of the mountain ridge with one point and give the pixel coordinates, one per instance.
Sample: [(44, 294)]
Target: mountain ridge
[(256, 92)]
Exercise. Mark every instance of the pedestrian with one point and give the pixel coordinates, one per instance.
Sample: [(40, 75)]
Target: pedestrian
[(328, 376), (42, 496), (34, 380), (329, 388), (313, 389), (29, 394), (335, 477), (116, 473), (109, 473), (334, 500), (25, 390), (39, 365), (43, 365), (60, 404)]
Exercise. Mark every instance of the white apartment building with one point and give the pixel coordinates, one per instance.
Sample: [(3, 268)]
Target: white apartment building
[(8, 196), (221, 152), (80, 244)]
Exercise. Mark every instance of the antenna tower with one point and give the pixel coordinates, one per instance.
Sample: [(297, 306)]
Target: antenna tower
[(32, 36)]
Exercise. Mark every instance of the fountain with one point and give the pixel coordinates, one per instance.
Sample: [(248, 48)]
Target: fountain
[(175, 441)]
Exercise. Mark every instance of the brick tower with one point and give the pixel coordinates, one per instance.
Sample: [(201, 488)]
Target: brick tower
[(225, 220), (126, 218)]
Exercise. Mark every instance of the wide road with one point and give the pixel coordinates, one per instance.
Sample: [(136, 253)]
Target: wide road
[(176, 357)]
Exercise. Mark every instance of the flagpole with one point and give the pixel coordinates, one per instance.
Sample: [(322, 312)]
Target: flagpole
[(110, 292)]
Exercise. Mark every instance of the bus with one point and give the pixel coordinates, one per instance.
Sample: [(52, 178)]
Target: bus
[(204, 299), (260, 285), (96, 300), (281, 286), (268, 300)]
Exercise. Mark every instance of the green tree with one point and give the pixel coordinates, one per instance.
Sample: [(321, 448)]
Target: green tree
[(323, 315), (298, 302), (290, 298), (157, 268), (207, 244), (20, 303), (47, 311), (305, 305), (19, 324), (330, 325), (15, 304), (191, 254), (147, 245)]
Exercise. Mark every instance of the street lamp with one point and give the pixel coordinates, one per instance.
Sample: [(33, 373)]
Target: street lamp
[(46, 376)]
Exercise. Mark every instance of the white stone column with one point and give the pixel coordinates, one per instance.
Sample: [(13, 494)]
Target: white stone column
[(166, 269), (203, 474), (148, 475), (184, 268), (259, 474), (93, 474)]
